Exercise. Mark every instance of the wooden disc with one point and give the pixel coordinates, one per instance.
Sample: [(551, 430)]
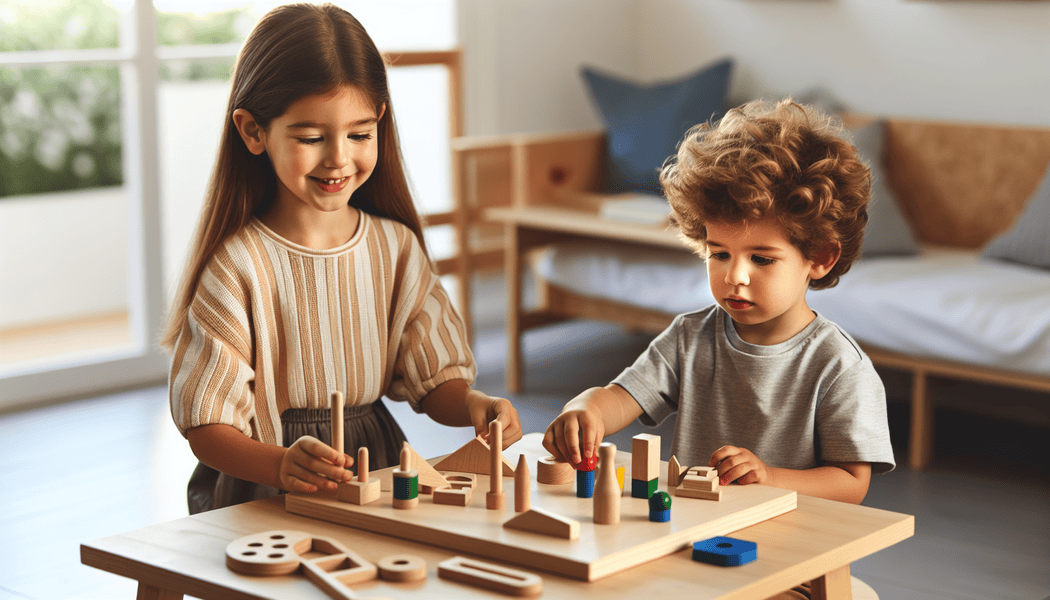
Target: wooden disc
[(552, 471), (402, 568), (269, 553)]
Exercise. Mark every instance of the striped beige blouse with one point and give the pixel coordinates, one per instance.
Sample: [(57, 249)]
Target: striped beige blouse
[(275, 326)]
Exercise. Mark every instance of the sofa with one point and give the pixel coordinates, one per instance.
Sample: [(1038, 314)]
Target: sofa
[(954, 280)]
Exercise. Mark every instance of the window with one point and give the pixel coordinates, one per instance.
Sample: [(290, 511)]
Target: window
[(98, 199)]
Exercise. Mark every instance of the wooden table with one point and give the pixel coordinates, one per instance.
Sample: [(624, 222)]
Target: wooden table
[(532, 226), (817, 541)]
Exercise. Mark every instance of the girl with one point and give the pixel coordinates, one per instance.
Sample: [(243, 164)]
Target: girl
[(309, 274)]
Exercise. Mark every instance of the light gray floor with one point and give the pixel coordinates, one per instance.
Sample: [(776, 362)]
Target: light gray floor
[(96, 467)]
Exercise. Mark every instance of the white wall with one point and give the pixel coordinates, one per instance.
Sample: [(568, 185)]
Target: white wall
[(969, 60), (980, 61), (522, 60)]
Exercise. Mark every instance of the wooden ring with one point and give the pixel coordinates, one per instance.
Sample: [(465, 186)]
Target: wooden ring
[(402, 568)]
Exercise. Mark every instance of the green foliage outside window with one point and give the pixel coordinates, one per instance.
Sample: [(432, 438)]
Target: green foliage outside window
[(60, 125)]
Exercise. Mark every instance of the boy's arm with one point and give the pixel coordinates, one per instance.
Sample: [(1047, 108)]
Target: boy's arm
[(455, 404), (308, 465), (842, 481), (587, 418)]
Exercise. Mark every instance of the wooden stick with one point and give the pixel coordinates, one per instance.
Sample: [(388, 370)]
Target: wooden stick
[(337, 422), (495, 499)]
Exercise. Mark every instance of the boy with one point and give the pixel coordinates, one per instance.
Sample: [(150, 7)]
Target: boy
[(766, 390)]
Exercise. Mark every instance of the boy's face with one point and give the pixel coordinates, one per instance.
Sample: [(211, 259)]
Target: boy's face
[(760, 278)]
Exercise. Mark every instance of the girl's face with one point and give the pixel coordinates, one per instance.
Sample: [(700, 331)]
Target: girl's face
[(322, 149), (760, 278)]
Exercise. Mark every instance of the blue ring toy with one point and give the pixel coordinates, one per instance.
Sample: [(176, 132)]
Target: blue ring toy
[(725, 551)]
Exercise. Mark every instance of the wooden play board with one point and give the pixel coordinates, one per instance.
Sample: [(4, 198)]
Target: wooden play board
[(600, 551)]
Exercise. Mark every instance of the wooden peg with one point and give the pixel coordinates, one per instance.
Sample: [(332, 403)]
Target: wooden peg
[(362, 491), (522, 485), (406, 482), (495, 499), (337, 422), (606, 488), (362, 464)]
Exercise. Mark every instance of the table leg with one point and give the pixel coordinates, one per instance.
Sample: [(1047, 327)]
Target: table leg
[(833, 586), (149, 592), (512, 278)]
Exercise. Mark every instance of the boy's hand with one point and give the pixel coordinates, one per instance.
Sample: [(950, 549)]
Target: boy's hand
[(483, 408), (563, 436), (739, 465), (311, 464)]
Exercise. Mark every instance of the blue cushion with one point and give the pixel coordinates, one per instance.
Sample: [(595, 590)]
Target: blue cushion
[(643, 124), (1028, 241), (887, 232)]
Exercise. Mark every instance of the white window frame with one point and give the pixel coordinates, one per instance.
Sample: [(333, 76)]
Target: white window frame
[(139, 57)]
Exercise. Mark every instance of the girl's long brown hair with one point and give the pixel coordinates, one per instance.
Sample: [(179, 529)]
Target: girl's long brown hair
[(294, 51)]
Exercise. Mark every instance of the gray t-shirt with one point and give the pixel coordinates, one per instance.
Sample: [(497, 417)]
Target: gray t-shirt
[(813, 398)]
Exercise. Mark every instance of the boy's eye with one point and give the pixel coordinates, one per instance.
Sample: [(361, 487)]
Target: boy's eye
[(309, 141), (719, 255), (761, 260), (360, 137)]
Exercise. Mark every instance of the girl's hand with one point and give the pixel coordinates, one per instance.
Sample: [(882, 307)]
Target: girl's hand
[(740, 465), (563, 436), (483, 409), (311, 464)]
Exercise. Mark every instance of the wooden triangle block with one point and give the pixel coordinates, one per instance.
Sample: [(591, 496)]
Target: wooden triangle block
[(429, 478), (473, 457), (538, 520)]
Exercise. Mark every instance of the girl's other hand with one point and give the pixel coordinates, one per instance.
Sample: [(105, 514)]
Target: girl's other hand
[(483, 409), (310, 464)]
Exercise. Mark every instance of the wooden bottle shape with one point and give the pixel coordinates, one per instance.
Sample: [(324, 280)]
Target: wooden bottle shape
[(606, 489)]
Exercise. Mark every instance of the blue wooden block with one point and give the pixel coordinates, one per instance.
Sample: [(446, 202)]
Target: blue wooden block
[(725, 551), (660, 507), (584, 484)]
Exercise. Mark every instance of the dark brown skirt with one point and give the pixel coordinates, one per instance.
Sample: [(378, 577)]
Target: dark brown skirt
[(369, 425)]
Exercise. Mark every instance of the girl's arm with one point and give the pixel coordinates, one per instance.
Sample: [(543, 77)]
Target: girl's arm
[(307, 465), (842, 481), (455, 404)]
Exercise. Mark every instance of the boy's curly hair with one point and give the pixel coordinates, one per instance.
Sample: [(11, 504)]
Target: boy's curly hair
[(783, 161)]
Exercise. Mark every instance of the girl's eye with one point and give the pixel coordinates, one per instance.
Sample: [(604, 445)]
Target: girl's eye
[(719, 255), (360, 137), (309, 141), (761, 260)]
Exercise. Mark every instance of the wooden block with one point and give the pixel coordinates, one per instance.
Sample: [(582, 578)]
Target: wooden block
[(472, 457), (674, 472), (707, 472), (495, 460), (356, 492), (429, 478), (695, 482), (538, 520), (553, 471), (685, 492), (460, 480), (645, 456), (454, 496), (491, 576), (402, 568)]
